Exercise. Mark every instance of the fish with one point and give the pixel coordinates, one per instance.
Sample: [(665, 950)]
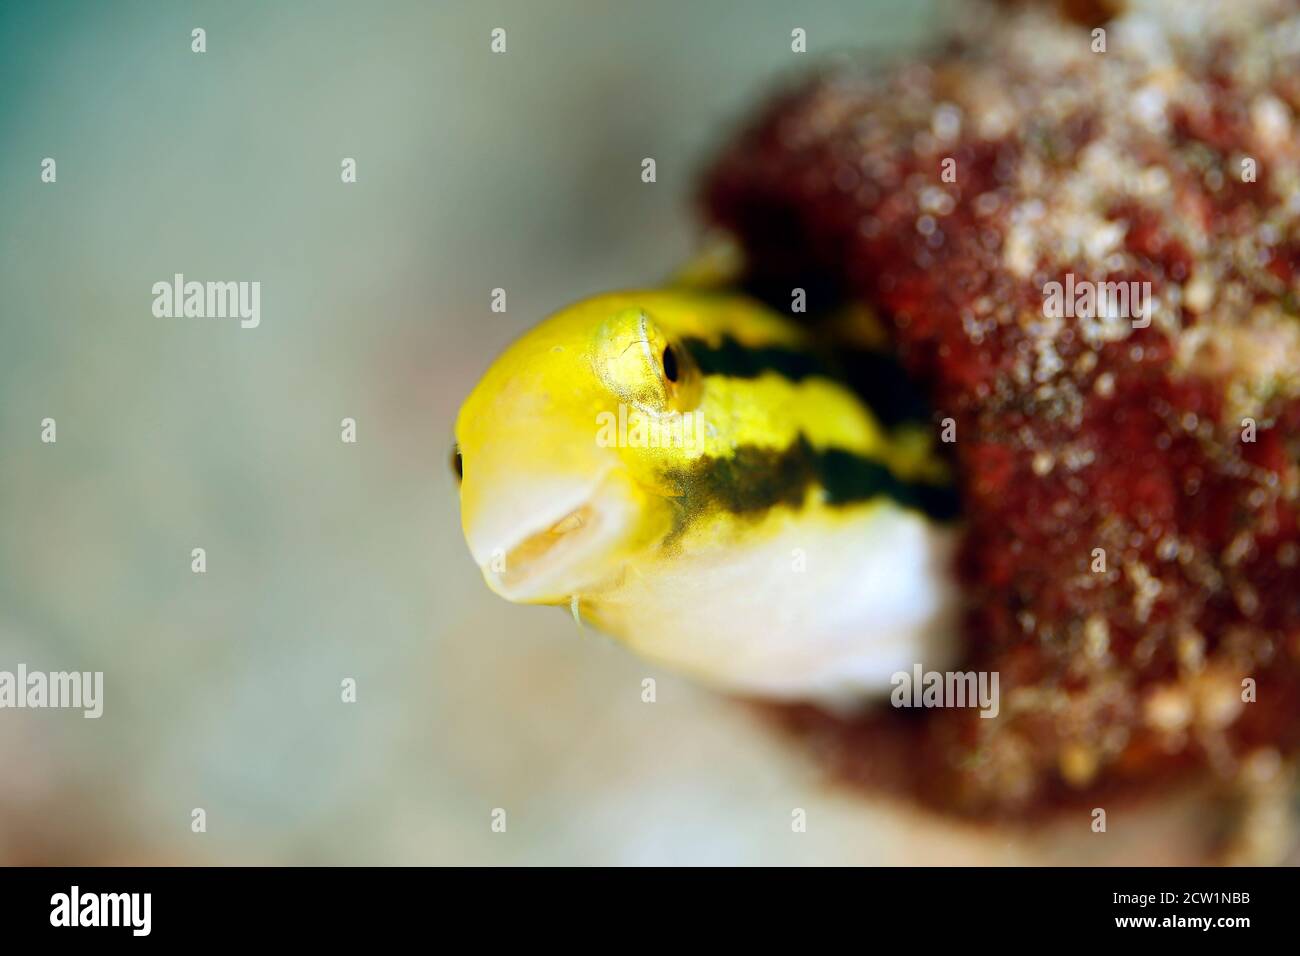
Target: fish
[(704, 480)]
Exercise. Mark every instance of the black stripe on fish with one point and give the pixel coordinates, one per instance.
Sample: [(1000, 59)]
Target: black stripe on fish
[(754, 479), (878, 380)]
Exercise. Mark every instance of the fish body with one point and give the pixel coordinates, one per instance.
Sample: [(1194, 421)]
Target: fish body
[(693, 474)]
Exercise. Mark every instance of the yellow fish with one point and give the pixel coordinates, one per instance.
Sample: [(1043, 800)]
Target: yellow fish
[(690, 473)]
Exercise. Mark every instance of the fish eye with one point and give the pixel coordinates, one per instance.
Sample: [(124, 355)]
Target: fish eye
[(636, 360), (670, 363), (457, 464)]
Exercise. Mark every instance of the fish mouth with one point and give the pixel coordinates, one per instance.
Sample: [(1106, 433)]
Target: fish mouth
[(549, 549), (563, 552)]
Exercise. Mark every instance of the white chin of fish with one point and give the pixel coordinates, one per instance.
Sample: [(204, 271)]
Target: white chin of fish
[(827, 614)]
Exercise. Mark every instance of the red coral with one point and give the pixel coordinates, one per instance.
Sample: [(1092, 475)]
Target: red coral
[(1070, 442)]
